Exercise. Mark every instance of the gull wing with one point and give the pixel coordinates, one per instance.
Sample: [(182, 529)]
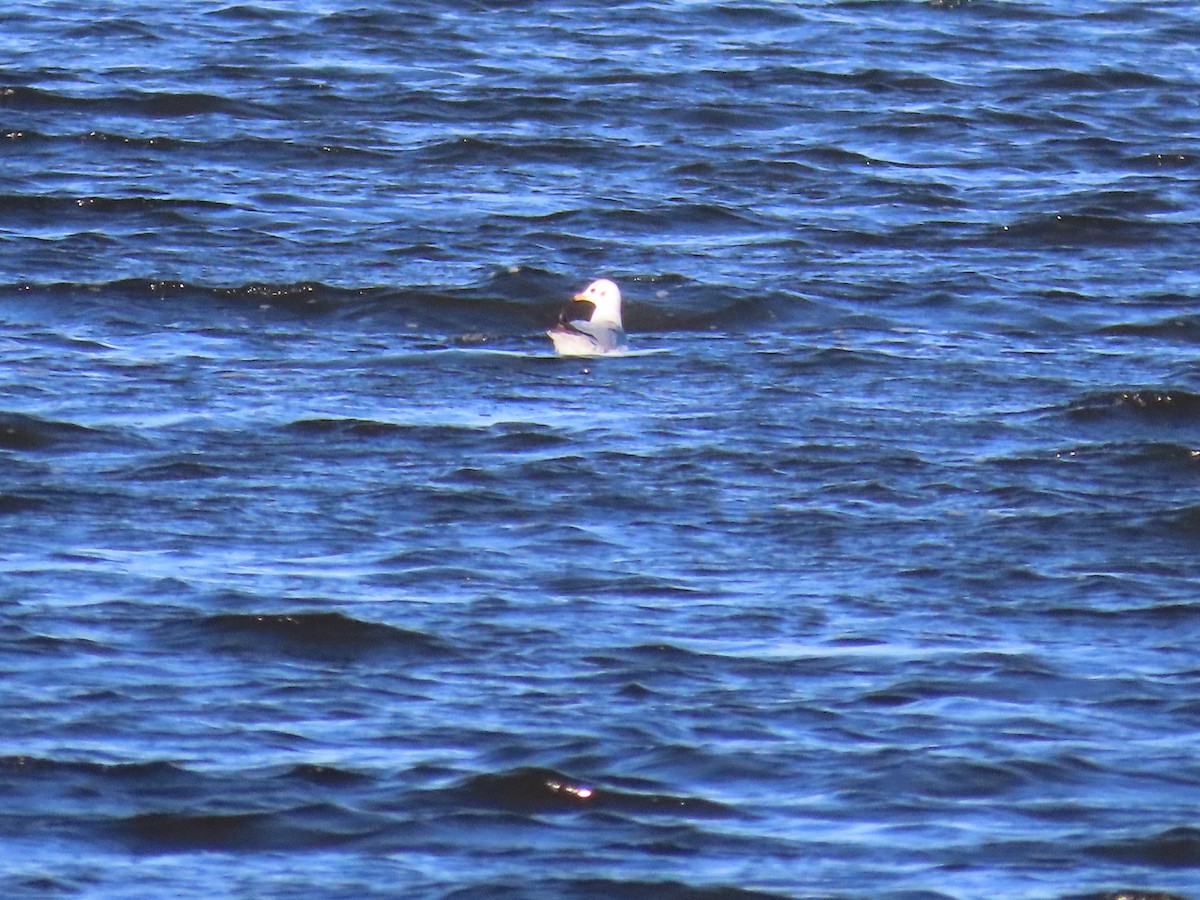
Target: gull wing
[(587, 339)]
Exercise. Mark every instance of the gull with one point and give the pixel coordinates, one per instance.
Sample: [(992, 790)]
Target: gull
[(591, 323)]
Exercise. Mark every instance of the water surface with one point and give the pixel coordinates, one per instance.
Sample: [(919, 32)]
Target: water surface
[(322, 576)]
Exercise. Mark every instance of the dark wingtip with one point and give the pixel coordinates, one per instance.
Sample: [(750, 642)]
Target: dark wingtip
[(577, 311)]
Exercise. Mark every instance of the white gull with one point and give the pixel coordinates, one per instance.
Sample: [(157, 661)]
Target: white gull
[(591, 323)]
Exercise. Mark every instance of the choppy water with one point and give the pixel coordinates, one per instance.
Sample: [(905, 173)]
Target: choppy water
[(322, 577)]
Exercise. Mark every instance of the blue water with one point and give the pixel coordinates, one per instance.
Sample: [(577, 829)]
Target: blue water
[(323, 577)]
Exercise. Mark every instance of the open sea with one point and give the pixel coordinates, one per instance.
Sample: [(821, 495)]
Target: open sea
[(873, 575)]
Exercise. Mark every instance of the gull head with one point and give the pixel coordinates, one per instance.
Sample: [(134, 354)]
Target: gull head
[(606, 297)]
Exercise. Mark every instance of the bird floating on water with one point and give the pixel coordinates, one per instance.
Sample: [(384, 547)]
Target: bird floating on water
[(591, 323)]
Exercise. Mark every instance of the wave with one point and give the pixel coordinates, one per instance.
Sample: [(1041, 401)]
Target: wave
[(156, 298), (301, 828), (252, 12), (297, 153), (1087, 229), (361, 428), (157, 771), (80, 211), (468, 150), (175, 470), (1101, 80), (1162, 458), (306, 635), (508, 302), (507, 436), (1149, 405), (151, 104), (1152, 162), (13, 504), (327, 776), (20, 431), (617, 889), (538, 790), (1174, 848), (1182, 522), (1181, 328), (1159, 615)]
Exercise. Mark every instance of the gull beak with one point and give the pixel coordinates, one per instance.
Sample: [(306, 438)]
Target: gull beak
[(579, 297)]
